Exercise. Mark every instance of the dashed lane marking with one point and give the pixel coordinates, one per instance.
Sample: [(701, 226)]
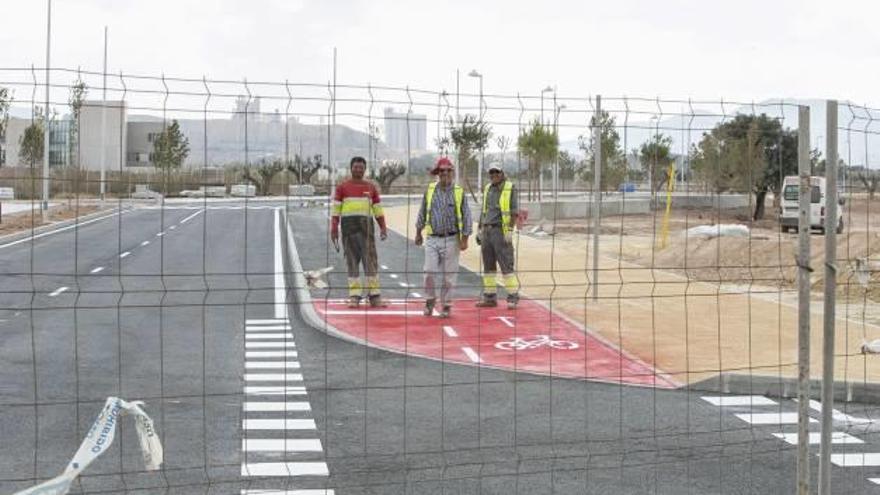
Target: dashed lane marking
[(125, 254), (97, 269), (471, 354), (449, 331), (58, 291)]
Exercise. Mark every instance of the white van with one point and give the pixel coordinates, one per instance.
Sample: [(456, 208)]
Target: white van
[(788, 218)]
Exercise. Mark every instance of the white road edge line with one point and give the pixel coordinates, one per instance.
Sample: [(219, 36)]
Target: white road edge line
[(472, 354), (187, 219), (62, 229), (280, 287), (57, 291)]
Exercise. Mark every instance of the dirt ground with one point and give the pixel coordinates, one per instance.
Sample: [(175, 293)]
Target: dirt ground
[(27, 220), (698, 307)]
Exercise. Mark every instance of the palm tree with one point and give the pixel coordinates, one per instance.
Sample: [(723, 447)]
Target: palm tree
[(540, 144)]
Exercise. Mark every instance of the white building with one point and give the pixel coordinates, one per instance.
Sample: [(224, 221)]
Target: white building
[(396, 131)]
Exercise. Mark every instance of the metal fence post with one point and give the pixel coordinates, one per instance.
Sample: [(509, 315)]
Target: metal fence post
[(830, 299), (597, 191), (803, 282)]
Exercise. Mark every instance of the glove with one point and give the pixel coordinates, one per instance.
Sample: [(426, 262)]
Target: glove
[(508, 237)]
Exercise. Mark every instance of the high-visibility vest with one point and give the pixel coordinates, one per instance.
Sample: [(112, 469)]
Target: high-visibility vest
[(352, 206), (458, 193), (503, 203)]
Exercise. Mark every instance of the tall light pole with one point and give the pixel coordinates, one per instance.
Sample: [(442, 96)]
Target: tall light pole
[(45, 205), (476, 74), (548, 89), (559, 109), (104, 123)]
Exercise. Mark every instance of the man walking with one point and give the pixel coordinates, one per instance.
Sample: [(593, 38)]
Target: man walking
[(497, 223), (357, 202), (446, 219)]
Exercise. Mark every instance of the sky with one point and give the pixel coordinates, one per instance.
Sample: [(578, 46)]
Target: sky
[(747, 50)]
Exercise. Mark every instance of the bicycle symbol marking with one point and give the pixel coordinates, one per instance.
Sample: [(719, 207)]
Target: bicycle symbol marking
[(521, 344)]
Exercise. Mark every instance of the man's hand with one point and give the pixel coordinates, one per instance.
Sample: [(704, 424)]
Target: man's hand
[(383, 234), (508, 237), (463, 243), (419, 239)]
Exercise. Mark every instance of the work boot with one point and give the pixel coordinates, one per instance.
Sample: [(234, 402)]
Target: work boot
[(446, 310), (376, 301), (488, 302), (354, 302), (429, 307), (512, 301)]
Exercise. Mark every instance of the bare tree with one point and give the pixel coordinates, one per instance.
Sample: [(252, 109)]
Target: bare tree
[(388, 172), (871, 180)]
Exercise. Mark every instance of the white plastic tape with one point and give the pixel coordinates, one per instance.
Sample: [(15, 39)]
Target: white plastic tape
[(98, 440)]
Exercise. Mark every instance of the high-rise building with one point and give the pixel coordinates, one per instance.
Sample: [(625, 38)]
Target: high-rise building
[(396, 130)]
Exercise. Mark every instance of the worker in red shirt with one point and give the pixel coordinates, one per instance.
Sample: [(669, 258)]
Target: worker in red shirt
[(356, 201)]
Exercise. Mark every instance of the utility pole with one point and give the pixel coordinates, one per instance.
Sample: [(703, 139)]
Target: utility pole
[(46, 122), (104, 123)]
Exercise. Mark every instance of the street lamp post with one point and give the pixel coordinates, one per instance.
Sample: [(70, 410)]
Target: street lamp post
[(44, 207), (548, 89), (479, 76), (559, 109)]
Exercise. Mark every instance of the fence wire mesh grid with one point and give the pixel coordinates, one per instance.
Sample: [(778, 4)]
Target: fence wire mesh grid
[(174, 249)]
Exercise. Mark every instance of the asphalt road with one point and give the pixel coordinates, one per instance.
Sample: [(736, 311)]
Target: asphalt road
[(166, 324)]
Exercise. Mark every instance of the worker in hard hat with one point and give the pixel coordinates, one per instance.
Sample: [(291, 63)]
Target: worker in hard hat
[(446, 219), (498, 220)]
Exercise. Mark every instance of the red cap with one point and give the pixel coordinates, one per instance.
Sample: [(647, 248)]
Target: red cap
[(443, 163)]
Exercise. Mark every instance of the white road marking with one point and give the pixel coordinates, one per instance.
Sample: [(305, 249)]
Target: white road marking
[(257, 336), (274, 390), (172, 227), (384, 267), (839, 416), (187, 219), (267, 327), (856, 459), (269, 345), (342, 312), (284, 469), (160, 234), (416, 295), (771, 418), (269, 354), (507, 320), (449, 331), (816, 438), (876, 481), (278, 424), (273, 377), (58, 291), (403, 284), (306, 491), (276, 406), (267, 321), (271, 365), (471, 354), (281, 445), (739, 400), (123, 255), (393, 275), (145, 243), (62, 229), (97, 269)]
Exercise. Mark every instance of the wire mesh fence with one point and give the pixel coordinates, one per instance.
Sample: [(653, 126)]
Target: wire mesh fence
[(180, 256)]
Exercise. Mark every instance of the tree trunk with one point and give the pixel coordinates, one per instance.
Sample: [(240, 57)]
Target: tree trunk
[(759, 205)]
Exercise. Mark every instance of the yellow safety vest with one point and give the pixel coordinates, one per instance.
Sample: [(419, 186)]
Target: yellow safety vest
[(458, 193), (504, 204)]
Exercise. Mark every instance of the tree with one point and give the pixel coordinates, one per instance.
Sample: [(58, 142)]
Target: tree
[(5, 100), (388, 172), (871, 180), (569, 166), (31, 142), (78, 92), (540, 144), (750, 154), (304, 170), (613, 160), (469, 135), (170, 148), (262, 174), (654, 157)]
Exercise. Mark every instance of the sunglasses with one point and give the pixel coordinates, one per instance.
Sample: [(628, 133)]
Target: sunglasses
[(492, 172)]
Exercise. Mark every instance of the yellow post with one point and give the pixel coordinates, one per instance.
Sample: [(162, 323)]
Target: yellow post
[(670, 185)]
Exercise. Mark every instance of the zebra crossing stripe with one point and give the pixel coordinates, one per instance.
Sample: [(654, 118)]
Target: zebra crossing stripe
[(267, 336), (276, 406), (284, 469), (272, 364), (273, 377), (278, 424), (269, 354), (268, 345), (281, 445), (307, 491), (274, 390)]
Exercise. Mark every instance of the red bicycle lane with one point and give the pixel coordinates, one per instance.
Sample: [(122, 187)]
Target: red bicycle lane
[(530, 339)]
